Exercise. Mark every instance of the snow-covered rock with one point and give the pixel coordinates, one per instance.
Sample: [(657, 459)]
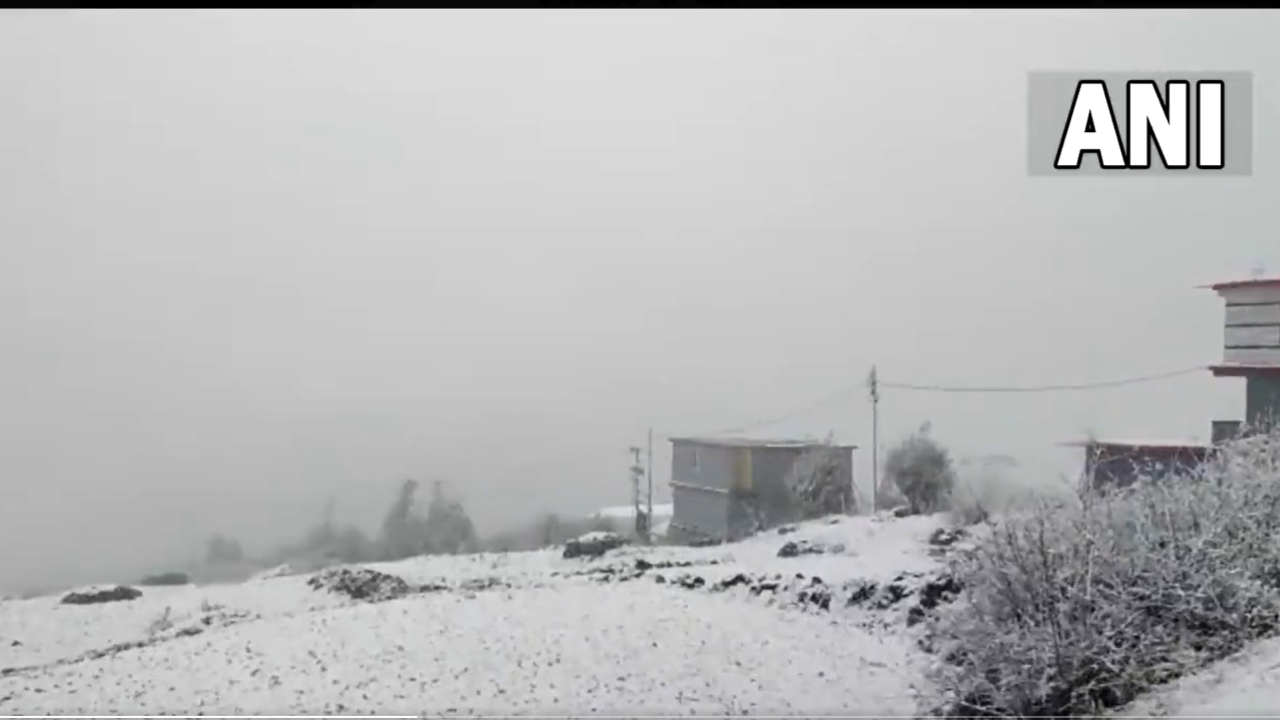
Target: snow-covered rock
[(360, 583), (593, 544), (99, 595)]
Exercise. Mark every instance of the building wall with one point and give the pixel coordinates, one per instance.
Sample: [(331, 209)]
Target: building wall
[(699, 514), (727, 492), (709, 466), (1262, 401), (1251, 333), (1118, 467), (701, 477), (771, 501)]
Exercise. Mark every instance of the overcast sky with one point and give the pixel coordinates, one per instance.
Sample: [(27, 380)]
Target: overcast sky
[(249, 260)]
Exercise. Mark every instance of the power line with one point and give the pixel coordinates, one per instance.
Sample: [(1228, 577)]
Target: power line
[(917, 387), (1042, 388), (805, 410)]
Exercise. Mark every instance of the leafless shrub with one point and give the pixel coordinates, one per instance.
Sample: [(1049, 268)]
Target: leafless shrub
[(820, 483), (1076, 607), (921, 469), (161, 623)]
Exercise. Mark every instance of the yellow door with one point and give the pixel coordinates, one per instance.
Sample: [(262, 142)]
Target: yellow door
[(742, 479)]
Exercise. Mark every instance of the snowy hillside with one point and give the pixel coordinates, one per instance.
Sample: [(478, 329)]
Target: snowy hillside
[(728, 629)]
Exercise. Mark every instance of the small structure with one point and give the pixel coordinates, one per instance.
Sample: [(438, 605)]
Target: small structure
[(1251, 346), (1117, 463), (723, 489), (1251, 350), (626, 514)]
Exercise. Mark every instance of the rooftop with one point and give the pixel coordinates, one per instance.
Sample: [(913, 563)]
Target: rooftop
[(1243, 369), (1256, 282), (629, 511), (1139, 444), (755, 442)]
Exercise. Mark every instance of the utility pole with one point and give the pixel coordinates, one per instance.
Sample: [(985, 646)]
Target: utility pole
[(648, 538), (873, 384), (637, 472)]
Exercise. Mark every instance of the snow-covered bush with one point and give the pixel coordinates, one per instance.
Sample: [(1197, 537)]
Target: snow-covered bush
[(820, 483), (921, 469), (1074, 607)]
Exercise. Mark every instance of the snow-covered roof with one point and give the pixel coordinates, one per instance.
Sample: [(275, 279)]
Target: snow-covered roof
[(629, 511), (757, 442), (1254, 282), (1166, 444)]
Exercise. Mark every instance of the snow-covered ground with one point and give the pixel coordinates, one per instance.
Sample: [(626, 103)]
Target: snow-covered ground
[(1246, 685), (533, 633), (548, 638)]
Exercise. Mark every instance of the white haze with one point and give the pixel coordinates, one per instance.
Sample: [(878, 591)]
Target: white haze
[(250, 259)]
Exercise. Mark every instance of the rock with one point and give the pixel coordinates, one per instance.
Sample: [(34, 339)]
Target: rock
[(903, 511), (796, 548), (165, 579), (936, 592), (946, 537), (119, 593), (690, 582), (360, 583), (735, 581), (891, 595), (786, 529), (593, 545), (862, 592), (816, 595), (764, 587)]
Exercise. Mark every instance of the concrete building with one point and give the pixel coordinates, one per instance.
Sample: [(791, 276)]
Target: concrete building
[(1251, 350), (723, 489), (1251, 346), (1116, 463)]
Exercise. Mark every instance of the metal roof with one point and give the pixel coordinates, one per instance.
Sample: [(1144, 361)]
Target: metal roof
[(1140, 444), (1243, 369), (1256, 282), (756, 442)]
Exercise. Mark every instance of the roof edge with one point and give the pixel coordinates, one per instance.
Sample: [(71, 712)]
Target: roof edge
[(1152, 444), (755, 442), (1231, 284)]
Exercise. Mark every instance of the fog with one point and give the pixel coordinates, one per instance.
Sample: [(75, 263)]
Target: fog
[(251, 260)]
